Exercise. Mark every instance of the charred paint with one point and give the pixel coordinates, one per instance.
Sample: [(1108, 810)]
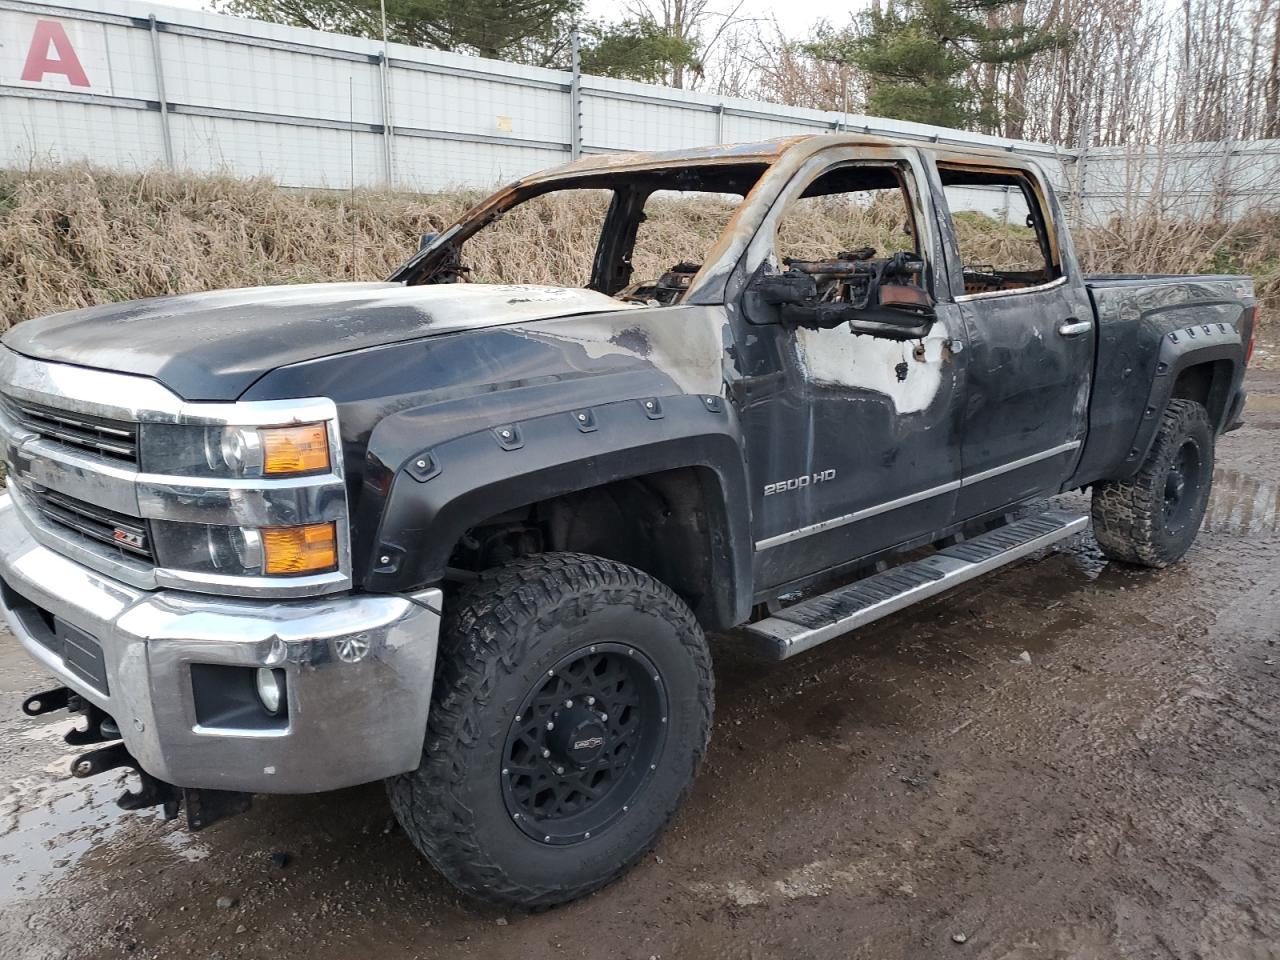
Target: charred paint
[(752, 404), (868, 363), (213, 346), (685, 343)]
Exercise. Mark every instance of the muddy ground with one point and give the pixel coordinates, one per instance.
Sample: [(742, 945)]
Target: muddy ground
[(881, 797)]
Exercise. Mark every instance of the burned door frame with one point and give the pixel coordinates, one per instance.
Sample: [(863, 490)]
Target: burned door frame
[(1030, 358), (841, 470)]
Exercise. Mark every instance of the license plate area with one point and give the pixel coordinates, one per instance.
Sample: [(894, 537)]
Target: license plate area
[(80, 652)]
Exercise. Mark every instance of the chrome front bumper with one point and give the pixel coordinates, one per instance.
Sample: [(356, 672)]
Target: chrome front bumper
[(358, 671)]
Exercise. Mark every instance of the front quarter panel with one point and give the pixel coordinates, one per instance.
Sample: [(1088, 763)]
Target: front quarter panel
[(446, 400), (467, 479)]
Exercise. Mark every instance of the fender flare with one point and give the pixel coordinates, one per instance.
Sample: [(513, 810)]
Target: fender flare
[(439, 493), (1180, 350)]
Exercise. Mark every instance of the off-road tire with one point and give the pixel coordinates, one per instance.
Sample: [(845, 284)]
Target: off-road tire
[(498, 638), (1130, 520)]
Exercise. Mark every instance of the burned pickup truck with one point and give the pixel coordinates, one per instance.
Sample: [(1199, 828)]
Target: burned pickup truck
[(467, 538)]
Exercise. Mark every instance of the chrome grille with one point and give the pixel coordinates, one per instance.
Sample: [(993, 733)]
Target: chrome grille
[(129, 535), (72, 439), (114, 439)]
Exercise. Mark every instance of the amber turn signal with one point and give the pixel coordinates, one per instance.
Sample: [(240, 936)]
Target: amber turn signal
[(288, 551), (303, 449)]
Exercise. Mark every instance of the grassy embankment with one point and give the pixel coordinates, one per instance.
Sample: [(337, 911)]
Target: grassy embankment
[(74, 236)]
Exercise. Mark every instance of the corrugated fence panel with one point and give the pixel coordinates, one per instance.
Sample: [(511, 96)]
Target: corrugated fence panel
[(428, 164), (85, 79), (1193, 180), (293, 156), (235, 76), (745, 128), (51, 131), (479, 106), (629, 125)]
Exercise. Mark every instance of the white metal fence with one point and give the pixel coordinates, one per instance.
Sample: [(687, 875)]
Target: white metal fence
[(1219, 180), (129, 85)]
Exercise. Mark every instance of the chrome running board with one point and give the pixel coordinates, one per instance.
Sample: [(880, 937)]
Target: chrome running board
[(803, 626)]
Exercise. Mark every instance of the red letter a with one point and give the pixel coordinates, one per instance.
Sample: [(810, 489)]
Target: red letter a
[(39, 62)]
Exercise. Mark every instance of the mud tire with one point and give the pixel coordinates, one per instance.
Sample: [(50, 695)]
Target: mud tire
[(1132, 520), (498, 638)]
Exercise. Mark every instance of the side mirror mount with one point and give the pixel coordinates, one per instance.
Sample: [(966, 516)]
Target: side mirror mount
[(892, 307), (901, 311), (893, 322), (426, 240)]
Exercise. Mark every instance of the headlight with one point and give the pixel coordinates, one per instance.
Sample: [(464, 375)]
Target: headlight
[(193, 451), (245, 551), (238, 450), (287, 451)]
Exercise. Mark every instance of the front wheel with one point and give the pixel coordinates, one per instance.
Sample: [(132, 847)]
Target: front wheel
[(572, 707), (1152, 518)]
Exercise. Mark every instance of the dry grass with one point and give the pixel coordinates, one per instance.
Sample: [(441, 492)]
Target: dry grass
[(75, 236)]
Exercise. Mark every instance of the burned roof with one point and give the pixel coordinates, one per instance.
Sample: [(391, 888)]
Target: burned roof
[(761, 151)]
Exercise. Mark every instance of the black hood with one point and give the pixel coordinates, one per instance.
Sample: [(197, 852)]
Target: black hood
[(214, 346)]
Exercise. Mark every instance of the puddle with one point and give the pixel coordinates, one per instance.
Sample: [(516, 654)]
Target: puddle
[(1242, 505), (50, 822), (47, 825)]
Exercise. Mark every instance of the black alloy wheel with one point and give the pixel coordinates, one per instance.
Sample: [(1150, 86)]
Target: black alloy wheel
[(1152, 517), (572, 705), (1181, 483), (584, 743)]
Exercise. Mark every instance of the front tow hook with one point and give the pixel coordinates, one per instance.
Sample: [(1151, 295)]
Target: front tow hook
[(150, 793), (101, 760), (205, 807)]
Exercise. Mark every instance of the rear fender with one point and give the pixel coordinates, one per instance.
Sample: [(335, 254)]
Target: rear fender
[(1180, 350)]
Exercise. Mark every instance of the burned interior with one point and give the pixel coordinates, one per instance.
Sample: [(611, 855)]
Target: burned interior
[(1007, 203), (633, 200), (867, 208)]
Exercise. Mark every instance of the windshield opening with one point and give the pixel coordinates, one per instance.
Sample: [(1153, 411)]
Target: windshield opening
[(640, 235)]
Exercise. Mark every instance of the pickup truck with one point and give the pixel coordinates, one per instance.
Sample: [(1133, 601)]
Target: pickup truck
[(468, 538)]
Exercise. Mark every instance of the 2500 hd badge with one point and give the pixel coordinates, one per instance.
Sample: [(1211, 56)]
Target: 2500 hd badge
[(799, 483)]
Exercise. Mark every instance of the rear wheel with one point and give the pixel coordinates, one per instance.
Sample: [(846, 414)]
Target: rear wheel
[(1152, 518), (572, 707)]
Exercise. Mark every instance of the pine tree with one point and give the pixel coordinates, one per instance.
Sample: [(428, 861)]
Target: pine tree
[(938, 61), (636, 50)]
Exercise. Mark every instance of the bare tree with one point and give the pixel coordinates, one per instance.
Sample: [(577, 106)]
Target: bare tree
[(784, 73), (698, 22), (1142, 71)]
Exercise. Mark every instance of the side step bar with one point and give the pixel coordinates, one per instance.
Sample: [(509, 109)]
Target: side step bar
[(803, 626)]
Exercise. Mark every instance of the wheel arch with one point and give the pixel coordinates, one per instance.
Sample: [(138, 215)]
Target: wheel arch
[(1208, 383), (1202, 362), (680, 456)]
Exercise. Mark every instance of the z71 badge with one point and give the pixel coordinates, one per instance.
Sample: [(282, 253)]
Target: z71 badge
[(129, 538), (799, 483)]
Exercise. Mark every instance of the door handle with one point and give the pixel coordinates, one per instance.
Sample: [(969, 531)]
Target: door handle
[(1071, 327)]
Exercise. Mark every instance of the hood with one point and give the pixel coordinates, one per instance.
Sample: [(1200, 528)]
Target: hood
[(214, 346)]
